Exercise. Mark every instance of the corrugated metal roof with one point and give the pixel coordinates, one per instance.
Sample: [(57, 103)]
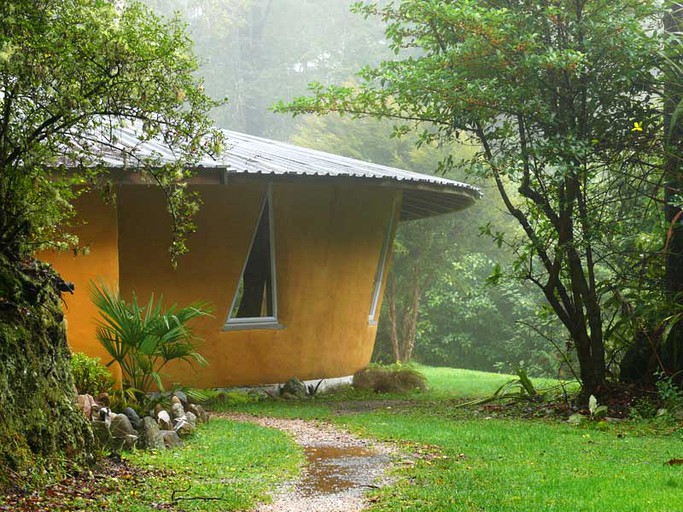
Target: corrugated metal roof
[(423, 195)]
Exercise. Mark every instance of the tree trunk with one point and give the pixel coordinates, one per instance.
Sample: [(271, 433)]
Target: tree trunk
[(393, 329), (42, 431), (672, 348)]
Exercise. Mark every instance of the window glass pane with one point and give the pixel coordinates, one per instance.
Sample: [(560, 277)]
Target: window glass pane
[(255, 295)]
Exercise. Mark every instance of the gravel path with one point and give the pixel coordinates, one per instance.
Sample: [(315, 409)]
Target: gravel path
[(340, 469)]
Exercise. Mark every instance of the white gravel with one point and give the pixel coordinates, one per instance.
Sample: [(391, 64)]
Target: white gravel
[(341, 467)]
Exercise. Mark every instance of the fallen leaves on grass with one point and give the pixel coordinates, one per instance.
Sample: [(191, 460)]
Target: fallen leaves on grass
[(89, 490)]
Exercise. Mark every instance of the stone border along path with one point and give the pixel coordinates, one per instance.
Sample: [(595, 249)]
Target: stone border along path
[(341, 467)]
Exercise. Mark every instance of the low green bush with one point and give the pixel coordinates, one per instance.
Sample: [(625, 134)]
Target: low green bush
[(90, 375), (389, 379)]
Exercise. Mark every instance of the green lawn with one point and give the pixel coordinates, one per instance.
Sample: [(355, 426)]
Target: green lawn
[(465, 460), (503, 464), (233, 464)]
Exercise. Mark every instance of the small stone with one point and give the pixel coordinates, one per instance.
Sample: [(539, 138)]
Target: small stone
[(157, 409), (133, 417), (85, 403), (103, 399), (294, 387), (105, 415), (121, 427), (183, 427), (171, 439), (191, 418), (180, 395), (177, 411), (95, 412), (175, 400), (199, 412), (150, 435), (164, 420)]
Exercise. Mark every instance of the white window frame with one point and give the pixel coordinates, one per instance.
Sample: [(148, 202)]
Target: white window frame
[(258, 322), (381, 269)]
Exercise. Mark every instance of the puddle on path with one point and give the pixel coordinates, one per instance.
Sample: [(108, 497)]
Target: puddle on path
[(334, 469)]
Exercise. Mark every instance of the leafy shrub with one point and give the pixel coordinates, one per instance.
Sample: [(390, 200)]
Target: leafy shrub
[(142, 339), (90, 375), (389, 379)]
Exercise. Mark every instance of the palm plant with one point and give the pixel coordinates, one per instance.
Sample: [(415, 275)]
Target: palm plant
[(143, 339)]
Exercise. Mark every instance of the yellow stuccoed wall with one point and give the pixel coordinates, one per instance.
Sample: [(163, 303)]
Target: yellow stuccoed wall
[(328, 243), (98, 233), (328, 239)]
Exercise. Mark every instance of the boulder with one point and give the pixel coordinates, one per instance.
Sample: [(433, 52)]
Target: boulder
[(199, 412), (133, 417), (171, 439), (85, 403), (150, 435), (164, 420), (177, 411), (294, 387)]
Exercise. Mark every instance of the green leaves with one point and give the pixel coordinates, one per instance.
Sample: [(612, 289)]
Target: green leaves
[(72, 72), (143, 339)]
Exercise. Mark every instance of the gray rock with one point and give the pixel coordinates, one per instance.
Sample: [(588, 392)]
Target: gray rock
[(182, 397), (164, 420), (295, 387), (150, 435), (183, 427), (102, 434), (121, 427), (133, 417), (199, 412), (177, 411), (191, 419), (171, 439)]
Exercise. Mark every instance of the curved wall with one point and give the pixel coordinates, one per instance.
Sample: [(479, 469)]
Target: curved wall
[(328, 240)]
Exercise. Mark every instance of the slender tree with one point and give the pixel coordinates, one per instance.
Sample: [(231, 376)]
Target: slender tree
[(557, 95)]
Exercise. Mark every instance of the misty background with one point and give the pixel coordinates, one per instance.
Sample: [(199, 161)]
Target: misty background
[(440, 306)]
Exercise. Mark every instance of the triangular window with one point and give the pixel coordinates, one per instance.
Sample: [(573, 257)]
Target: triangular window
[(255, 300)]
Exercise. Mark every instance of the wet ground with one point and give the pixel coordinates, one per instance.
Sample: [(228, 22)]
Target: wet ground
[(340, 468)]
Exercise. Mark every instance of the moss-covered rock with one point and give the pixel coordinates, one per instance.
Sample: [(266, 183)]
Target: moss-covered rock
[(43, 434)]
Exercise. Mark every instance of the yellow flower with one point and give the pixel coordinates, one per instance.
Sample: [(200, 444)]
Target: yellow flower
[(637, 127)]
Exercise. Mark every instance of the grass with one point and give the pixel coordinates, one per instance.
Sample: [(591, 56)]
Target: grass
[(458, 459), (506, 465), (480, 464), (235, 465)]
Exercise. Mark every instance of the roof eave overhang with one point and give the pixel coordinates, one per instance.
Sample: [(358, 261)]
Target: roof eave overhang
[(420, 199)]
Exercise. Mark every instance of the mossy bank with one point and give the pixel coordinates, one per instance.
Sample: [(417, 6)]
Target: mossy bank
[(42, 432)]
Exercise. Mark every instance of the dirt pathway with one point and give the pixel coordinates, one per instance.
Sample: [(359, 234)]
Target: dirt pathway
[(341, 468)]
